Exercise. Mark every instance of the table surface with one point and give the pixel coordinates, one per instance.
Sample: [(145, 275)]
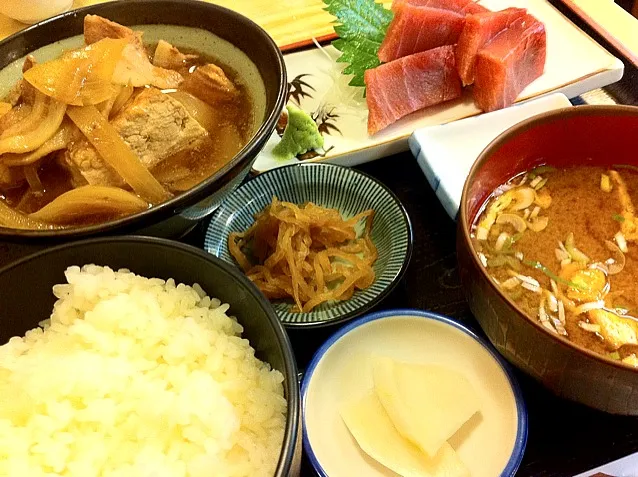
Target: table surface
[(564, 438)]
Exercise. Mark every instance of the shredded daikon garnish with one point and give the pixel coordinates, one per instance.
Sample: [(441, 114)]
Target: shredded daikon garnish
[(349, 98)]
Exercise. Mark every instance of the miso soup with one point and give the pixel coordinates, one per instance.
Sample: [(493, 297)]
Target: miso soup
[(563, 245)]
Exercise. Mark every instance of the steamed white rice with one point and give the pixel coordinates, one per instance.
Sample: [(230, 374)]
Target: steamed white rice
[(137, 377)]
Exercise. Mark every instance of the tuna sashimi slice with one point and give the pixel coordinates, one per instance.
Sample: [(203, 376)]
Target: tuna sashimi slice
[(510, 62), (478, 31), (472, 8), (414, 29), (408, 84), (459, 6)]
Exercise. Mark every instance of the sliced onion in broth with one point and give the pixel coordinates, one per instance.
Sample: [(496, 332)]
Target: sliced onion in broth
[(88, 201)]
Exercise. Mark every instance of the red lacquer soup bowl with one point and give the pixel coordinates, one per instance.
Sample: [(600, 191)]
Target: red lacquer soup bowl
[(591, 135)]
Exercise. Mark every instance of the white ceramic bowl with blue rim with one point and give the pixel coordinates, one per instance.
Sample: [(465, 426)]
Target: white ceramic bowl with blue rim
[(347, 190), (490, 444)]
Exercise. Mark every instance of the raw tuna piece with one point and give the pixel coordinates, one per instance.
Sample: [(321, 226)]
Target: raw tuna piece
[(478, 31), (510, 62), (472, 8), (415, 29), (459, 6), (408, 84)]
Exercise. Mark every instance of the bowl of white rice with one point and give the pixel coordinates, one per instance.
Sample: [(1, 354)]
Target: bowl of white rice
[(142, 357)]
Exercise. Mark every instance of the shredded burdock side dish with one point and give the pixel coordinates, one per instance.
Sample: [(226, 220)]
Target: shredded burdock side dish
[(308, 253), (557, 243)]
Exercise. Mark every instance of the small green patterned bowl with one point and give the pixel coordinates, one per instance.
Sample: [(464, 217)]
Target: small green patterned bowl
[(347, 190)]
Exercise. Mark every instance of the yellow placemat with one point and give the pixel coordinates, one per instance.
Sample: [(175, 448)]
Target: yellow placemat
[(615, 24), (287, 21)]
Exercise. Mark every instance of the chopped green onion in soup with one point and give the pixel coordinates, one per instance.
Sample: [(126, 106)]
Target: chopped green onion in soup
[(555, 242)]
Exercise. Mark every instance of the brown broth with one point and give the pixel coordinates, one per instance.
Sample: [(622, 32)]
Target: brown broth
[(55, 179), (578, 206)]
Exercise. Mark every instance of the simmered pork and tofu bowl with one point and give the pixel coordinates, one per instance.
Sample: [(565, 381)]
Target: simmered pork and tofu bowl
[(546, 248), (145, 115)]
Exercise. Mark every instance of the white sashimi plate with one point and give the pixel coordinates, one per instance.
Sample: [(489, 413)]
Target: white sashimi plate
[(575, 64), (446, 161)]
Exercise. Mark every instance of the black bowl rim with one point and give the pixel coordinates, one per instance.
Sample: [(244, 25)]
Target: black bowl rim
[(397, 278), (562, 114), (293, 413), (175, 205)]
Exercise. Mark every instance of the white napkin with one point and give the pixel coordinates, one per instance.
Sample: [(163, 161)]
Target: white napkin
[(625, 467)]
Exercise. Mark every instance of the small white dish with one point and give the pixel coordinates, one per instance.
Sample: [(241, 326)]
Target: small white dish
[(492, 444), (446, 152), (33, 11)]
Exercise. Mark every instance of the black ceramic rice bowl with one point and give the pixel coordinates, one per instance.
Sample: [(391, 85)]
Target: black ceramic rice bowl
[(178, 215), (26, 298)]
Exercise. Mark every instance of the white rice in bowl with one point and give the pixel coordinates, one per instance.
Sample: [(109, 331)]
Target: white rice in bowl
[(137, 377)]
